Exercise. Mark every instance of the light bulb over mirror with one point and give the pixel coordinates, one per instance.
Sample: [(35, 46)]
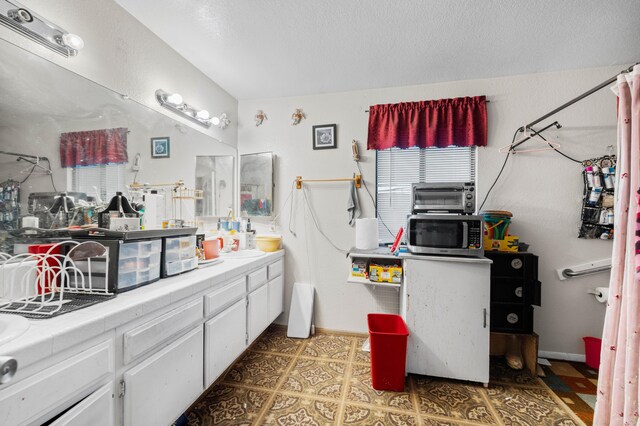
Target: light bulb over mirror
[(203, 114), (73, 41), (174, 99)]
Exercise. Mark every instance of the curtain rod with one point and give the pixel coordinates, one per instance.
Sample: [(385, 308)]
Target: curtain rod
[(573, 101), (487, 101)]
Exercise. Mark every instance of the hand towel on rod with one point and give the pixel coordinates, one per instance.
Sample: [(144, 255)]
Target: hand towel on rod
[(353, 205)]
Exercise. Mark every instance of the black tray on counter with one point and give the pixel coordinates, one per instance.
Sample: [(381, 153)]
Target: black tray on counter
[(131, 235)]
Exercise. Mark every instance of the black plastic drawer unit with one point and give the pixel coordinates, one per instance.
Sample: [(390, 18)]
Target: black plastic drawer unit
[(516, 265), (515, 290), (511, 318)]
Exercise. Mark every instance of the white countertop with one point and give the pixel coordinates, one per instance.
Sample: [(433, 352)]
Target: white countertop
[(48, 336), (383, 252), (459, 259)]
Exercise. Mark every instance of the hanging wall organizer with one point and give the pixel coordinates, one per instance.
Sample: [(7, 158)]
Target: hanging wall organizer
[(598, 198)]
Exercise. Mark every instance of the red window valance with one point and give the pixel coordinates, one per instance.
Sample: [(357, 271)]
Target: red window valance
[(93, 147), (425, 124)]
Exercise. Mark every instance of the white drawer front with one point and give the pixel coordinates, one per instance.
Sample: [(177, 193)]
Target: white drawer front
[(32, 398), (154, 332), (275, 269), (257, 278), (95, 410), (220, 299)]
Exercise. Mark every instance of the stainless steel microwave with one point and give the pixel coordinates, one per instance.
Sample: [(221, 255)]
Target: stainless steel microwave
[(453, 235)]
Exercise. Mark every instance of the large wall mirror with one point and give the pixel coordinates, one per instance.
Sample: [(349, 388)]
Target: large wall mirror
[(256, 184), (60, 132), (214, 176)]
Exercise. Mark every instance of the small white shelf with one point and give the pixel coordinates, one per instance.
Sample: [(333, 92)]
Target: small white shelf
[(366, 281), (380, 253)]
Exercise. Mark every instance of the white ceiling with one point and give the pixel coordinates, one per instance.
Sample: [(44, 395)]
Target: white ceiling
[(273, 48)]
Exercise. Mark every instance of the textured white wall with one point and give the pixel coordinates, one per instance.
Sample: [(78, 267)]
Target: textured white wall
[(543, 190), (123, 55)]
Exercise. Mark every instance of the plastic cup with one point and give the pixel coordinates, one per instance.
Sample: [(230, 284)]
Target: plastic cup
[(211, 249)]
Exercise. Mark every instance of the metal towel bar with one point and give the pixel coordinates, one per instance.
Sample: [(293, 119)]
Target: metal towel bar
[(357, 179), (569, 273)]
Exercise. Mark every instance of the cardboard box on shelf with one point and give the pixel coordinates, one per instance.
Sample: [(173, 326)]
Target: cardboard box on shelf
[(509, 244), (385, 273), (359, 268)]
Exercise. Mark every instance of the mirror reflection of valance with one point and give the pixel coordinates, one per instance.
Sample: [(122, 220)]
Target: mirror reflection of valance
[(93, 147), (426, 124)]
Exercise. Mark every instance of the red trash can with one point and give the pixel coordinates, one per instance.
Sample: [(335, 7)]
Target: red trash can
[(592, 348), (388, 341)]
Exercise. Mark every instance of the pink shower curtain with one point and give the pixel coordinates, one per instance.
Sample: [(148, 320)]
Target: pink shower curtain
[(617, 399)]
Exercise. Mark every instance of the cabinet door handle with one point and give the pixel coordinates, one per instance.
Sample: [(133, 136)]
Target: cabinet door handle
[(8, 368), (484, 312)]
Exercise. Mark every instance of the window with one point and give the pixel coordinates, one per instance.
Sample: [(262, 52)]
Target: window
[(102, 181), (397, 169)]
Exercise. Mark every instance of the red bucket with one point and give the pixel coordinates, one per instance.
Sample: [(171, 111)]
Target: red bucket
[(592, 347)]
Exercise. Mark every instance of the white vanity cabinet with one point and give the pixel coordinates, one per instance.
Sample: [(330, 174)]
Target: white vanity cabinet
[(258, 312), (225, 339), (149, 368), (276, 298), (160, 388), (225, 335), (437, 293), (276, 289)]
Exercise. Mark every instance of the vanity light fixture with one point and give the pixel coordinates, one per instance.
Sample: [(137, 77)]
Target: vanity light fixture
[(23, 21), (175, 103)]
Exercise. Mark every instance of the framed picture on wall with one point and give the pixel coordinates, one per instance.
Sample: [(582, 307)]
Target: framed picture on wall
[(160, 147), (324, 136)]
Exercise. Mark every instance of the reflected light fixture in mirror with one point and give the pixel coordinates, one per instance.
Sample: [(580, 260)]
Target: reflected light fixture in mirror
[(203, 115), (221, 121), (29, 24), (175, 103)]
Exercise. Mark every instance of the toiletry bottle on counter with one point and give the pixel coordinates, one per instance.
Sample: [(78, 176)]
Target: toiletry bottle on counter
[(248, 225)]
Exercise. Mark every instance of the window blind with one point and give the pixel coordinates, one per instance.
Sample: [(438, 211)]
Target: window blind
[(106, 179), (397, 169)]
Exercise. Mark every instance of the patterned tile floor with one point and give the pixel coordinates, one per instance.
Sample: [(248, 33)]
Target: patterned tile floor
[(576, 384), (326, 380)]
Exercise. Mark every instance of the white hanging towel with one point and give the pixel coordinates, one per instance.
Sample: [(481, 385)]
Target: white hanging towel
[(353, 204)]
